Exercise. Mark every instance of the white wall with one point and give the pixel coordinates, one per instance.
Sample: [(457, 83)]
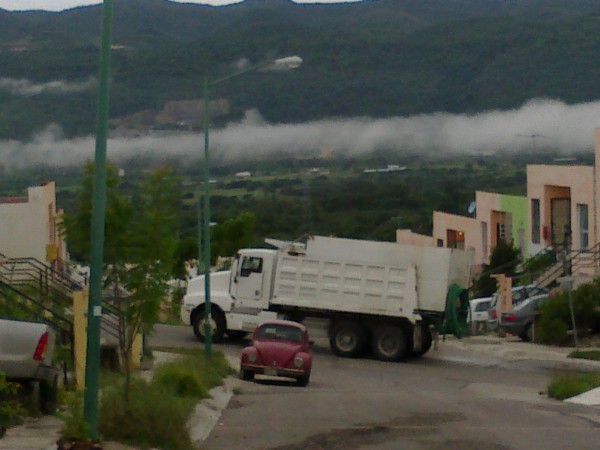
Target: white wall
[(25, 228)]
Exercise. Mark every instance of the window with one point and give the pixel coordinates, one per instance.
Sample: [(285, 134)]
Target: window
[(483, 306), (455, 239), (280, 333), (535, 220), (583, 227), (251, 264)]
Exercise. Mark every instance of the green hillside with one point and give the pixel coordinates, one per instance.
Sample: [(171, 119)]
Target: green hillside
[(376, 58)]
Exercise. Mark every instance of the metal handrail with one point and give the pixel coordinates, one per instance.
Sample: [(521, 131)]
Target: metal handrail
[(56, 319), (30, 272), (565, 263)]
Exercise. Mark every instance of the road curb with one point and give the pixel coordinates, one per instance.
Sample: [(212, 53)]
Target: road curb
[(207, 413)]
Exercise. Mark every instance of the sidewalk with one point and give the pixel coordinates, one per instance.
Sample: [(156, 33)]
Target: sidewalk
[(42, 433), (489, 349)]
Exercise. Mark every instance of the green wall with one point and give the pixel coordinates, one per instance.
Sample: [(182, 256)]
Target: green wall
[(517, 207)]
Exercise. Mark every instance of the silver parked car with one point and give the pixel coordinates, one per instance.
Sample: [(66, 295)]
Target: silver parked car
[(519, 294), (519, 320)]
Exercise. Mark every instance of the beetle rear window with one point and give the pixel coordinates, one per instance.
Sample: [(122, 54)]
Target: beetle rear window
[(279, 332)]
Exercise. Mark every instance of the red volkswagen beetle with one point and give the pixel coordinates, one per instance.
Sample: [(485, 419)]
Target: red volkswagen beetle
[(279, 348)]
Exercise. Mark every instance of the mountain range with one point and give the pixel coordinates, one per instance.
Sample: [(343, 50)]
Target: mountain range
[(377, 58)]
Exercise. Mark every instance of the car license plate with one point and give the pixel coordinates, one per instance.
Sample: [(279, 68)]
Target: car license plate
[(271, 371)]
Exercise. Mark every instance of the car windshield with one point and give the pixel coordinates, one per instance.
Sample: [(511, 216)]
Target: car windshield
[(279, 332), (532, 300), (521, 293)]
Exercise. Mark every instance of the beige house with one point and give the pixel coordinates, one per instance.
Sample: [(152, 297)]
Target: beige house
[(29, 226), (561, 206)]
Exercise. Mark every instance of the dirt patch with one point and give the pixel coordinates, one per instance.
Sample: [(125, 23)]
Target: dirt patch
[(413, 426), (461, 444), (235, 403)]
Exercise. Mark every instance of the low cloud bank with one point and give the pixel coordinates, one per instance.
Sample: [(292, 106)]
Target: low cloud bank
[(539, 124), (27, 88)]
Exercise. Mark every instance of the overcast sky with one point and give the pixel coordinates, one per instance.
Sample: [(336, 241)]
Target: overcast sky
[(59, 5)]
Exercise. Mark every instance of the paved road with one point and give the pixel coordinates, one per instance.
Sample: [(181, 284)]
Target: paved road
[(471, 402)]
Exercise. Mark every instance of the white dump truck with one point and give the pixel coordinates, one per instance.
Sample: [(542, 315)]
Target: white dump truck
[(381, 296)]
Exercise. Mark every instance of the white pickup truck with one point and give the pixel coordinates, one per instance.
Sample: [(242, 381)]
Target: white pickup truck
[(26, 355)]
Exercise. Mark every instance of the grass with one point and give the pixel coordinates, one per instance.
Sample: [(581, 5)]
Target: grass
[(593, 355), (567, 385), (153, 414)]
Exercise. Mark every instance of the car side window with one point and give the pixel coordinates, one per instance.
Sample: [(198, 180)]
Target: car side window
[(251, 264)]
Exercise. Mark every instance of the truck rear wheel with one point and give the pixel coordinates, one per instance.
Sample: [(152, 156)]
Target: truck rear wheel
[(217, 324), (389, 343), (348, 339)]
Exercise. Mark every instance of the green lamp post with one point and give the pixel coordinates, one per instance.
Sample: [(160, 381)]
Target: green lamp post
[(92, 366)]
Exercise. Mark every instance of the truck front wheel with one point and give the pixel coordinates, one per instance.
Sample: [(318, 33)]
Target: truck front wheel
[(348, 339), (389, 343), (217, 324)]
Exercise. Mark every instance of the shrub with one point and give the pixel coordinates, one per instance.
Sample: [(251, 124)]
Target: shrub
[(180, 381), (75, 427), (555, 320), (12, 411), (156, 414), (553, 331), (593, 355), (150, 417), (213, 370)]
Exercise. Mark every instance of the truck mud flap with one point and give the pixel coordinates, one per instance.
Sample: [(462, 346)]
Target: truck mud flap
[(457, 308)]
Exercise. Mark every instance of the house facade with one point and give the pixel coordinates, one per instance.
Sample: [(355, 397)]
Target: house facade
[(497, 218), (561, 207), (29, 226)]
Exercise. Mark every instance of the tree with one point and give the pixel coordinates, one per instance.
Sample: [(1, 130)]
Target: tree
[(139, 248), (151, 248), (233, 234), (118, 213), (504, 259)]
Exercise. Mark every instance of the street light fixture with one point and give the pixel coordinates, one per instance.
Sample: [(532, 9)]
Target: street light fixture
[(281, 64)]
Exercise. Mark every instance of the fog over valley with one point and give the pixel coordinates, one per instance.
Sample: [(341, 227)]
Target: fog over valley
[(538, 124)]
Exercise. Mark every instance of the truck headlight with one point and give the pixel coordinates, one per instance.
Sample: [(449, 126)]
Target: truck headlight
[(298, 362), (252, 357)]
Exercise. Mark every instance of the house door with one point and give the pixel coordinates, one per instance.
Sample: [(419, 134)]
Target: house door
[(560, 221)]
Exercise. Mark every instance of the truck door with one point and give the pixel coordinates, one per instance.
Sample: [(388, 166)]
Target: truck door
[(249, 280)]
